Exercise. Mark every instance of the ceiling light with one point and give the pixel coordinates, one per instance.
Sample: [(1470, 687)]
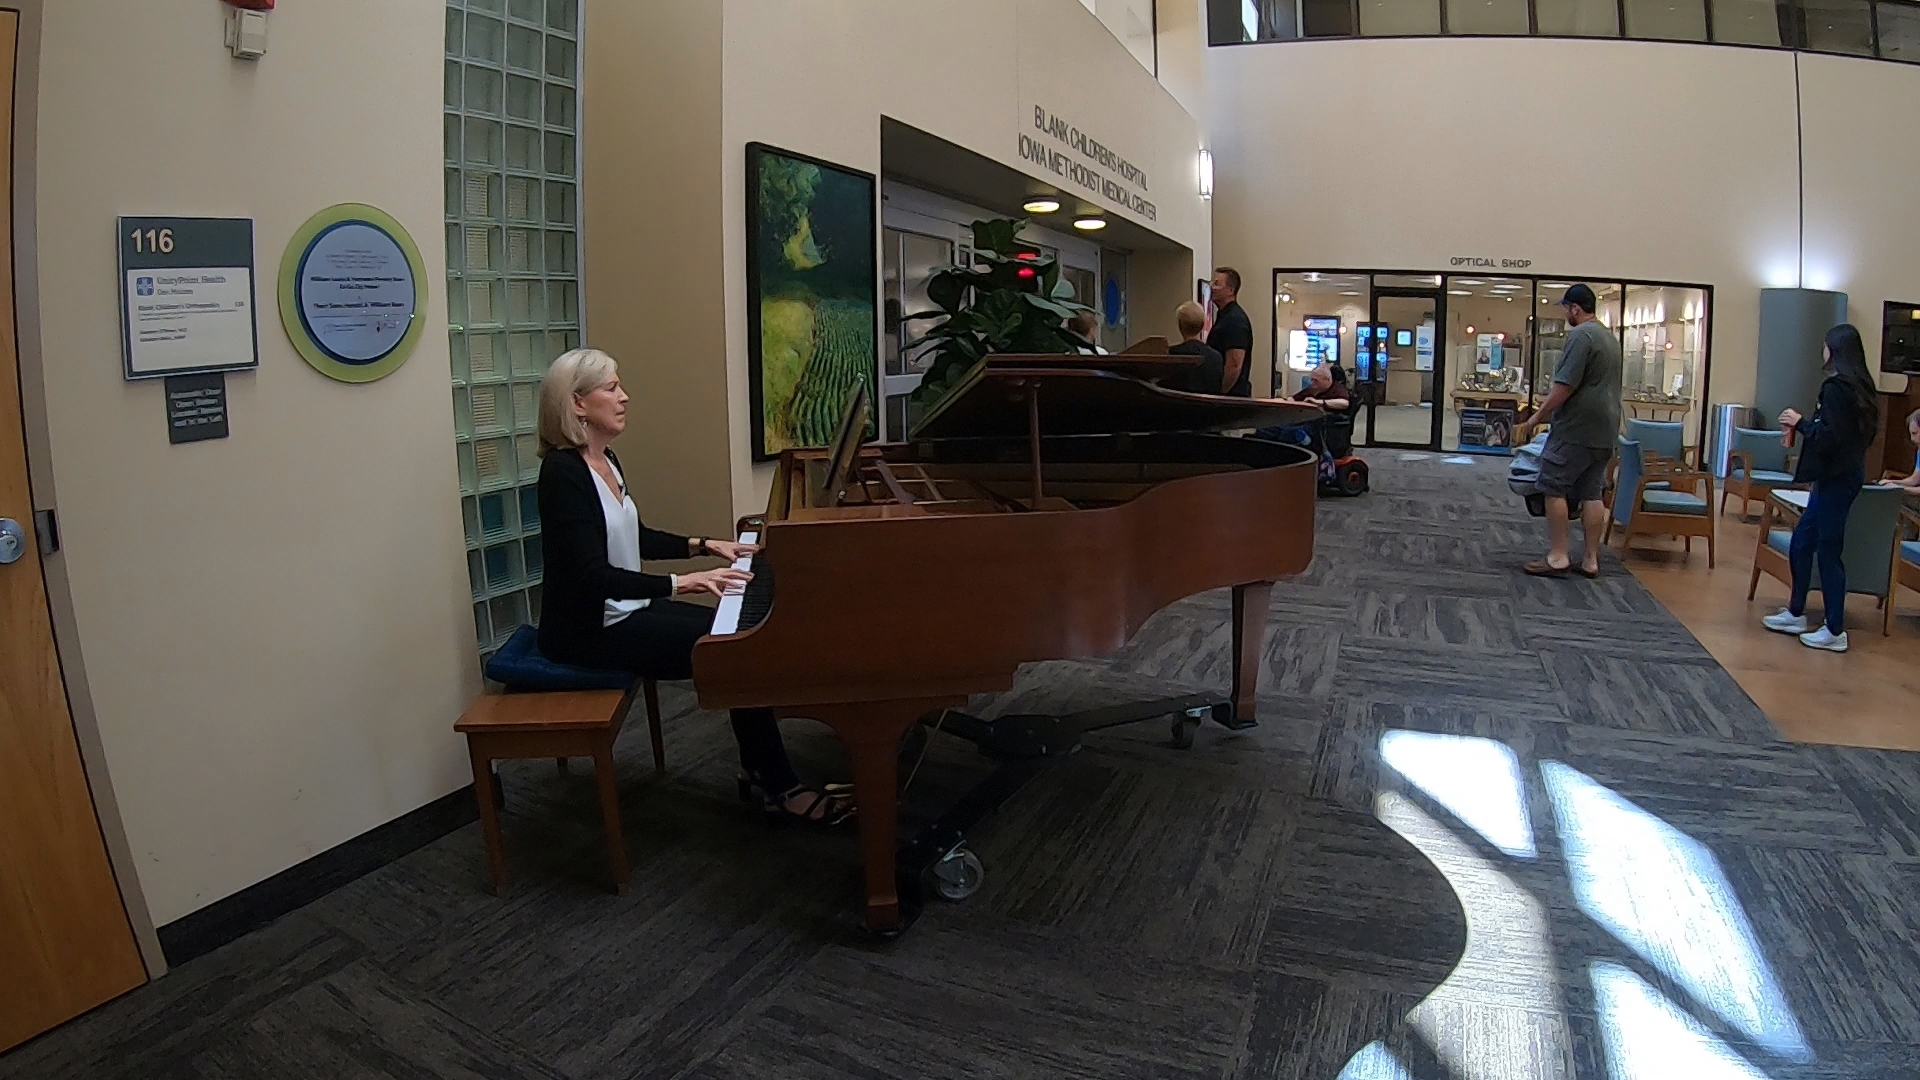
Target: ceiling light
[(1041, 204), (1459, 292), (1556, 285), (1349, 294), (1509, 299), (1469, 329), (1468, 281), (1089, 223)]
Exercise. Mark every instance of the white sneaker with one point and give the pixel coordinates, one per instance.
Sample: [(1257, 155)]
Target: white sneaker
[(1785, 622), (1825, 639)]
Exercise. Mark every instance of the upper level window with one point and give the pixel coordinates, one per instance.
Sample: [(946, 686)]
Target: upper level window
[(1888, 29)]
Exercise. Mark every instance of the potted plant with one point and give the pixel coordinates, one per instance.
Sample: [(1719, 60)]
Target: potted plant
[(1013, 302)]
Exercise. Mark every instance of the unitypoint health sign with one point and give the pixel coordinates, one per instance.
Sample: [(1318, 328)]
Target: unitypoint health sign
[(1087, 163)]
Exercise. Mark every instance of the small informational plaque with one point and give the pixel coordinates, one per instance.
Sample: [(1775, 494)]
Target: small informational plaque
[(196, 407), (352, 289), (186, 296)]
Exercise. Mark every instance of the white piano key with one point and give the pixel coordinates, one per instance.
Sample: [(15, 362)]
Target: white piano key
[(726, 618)]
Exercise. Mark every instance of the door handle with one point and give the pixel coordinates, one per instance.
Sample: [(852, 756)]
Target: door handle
[(13, 541)]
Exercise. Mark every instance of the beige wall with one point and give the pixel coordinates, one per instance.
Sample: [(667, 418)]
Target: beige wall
[(817, 79), (1405, 154), (274, 626), (652, 222)]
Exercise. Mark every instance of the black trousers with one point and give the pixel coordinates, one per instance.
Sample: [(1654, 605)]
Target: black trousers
[(657, 642)]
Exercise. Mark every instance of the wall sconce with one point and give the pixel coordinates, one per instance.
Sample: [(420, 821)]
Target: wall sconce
[(1206, 174)]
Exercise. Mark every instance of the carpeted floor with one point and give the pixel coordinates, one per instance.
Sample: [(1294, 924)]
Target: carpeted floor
[(1489, 827)]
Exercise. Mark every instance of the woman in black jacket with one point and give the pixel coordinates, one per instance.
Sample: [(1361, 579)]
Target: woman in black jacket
[(1833, 454), (598, 609)]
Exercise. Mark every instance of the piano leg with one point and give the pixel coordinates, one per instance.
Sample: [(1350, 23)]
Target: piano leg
[(1249, 641), (872, 732)]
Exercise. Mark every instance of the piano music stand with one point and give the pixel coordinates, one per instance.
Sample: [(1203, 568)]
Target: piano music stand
[(845, 447)]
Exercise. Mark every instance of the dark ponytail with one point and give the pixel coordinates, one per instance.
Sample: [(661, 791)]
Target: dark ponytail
[(1847, 361)]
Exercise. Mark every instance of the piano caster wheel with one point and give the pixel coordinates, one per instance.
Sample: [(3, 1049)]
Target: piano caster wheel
[(1185, 724), (958, 874)]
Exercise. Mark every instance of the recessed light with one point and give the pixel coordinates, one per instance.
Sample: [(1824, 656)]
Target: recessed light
[(1041, 205), (1509, 299), (1089, 223), (1459, 292), (1349, 294), (1468, 281)]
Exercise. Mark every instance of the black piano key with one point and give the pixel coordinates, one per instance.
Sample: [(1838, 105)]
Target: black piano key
[(758, 598)]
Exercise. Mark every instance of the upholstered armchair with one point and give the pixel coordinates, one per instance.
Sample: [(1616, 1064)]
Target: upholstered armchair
[(1871, 553), (1756, 465), (1663, 439), (1659, 496)]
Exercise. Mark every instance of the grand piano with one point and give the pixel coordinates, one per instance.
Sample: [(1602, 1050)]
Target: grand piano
[(1043, 509)]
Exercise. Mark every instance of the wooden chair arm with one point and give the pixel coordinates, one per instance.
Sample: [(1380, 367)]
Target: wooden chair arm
[(1742, 460)]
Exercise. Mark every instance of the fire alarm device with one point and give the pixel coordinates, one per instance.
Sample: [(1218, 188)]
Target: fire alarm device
[(247, 28)]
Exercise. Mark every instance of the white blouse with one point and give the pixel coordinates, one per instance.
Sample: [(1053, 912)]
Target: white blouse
[(623, 540)]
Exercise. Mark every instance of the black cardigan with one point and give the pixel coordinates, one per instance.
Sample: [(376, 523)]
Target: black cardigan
[(578, 579), (1835, 437)]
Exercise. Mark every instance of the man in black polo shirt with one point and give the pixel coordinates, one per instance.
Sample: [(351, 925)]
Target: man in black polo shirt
[(1206, 376), (1232, 335)]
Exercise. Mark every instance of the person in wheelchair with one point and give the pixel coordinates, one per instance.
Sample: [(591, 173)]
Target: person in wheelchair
[(1331, 435)]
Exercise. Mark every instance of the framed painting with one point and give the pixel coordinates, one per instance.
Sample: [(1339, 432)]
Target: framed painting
[(812, 296)]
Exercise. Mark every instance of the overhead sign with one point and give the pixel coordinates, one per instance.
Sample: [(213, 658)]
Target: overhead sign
[(1066, 151), (1480, 262), (186, 296), (352, 286)]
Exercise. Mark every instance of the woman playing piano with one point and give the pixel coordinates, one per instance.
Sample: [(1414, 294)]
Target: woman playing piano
[(600, 610)]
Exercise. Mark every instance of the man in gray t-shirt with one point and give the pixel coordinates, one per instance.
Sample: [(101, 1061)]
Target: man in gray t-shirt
[(1584, 409)]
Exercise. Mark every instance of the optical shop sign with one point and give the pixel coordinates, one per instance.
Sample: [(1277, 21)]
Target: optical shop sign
[(1086, 162)]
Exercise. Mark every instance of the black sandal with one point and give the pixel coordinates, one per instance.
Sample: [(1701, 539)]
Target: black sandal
[(830, 806)]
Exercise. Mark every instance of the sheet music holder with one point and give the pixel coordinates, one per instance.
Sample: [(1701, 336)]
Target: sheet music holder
[(845, 448)]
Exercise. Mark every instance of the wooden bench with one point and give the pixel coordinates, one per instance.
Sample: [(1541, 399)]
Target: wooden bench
[(558, 725)]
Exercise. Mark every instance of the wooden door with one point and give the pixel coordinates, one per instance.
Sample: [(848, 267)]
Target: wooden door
[(65, 944)]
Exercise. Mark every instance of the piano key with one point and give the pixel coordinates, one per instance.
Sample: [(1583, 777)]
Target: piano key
[(726, 619)]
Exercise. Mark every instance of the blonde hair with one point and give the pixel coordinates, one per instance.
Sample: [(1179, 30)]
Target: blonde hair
[(1191, 317), (575, 372), (1084, 323)]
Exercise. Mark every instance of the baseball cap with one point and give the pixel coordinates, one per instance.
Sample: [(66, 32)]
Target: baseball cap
[(1579, 294)]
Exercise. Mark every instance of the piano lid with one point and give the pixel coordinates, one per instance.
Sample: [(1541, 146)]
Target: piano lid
[(1085, 395)]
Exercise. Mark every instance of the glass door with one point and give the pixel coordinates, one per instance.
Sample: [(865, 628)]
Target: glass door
[(1398, 387), (908, 261)]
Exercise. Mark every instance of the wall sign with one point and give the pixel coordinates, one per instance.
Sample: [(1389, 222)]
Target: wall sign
[(196, 407), (1476, 262), (352, 288), (1086, 162), (186, 296)]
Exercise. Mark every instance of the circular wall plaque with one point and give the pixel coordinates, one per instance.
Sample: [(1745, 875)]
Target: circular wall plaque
[(352, 286)]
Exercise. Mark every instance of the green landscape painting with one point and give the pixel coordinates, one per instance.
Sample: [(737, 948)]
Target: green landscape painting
[(811, 295)]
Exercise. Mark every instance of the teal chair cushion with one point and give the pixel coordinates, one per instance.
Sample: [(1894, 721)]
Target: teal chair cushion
[(1765, 476), (1664, 437), (1763, 447), (1673, 502), (1910, 552), (1780, 540)]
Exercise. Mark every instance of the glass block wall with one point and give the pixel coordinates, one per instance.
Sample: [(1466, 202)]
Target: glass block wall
[(513, 275)]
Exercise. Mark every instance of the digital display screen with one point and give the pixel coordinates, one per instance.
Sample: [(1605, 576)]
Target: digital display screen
[(1403, 338)]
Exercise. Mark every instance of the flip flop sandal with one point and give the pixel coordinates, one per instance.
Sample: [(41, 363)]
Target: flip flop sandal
[(1583, 572), (1542, 568)]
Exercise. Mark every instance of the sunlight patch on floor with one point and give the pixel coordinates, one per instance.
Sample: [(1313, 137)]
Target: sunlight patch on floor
[(1664, 895), (1477, 780)]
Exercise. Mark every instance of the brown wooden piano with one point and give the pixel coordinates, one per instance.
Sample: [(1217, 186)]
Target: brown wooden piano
[(1044, 508)]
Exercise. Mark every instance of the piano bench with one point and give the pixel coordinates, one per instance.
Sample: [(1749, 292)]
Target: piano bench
[(558, 725)]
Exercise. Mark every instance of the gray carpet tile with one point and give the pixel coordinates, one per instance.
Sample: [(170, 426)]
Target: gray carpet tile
[(1488, 826)]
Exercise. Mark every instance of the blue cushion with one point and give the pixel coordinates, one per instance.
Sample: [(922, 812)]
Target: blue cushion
[(1673, 502), (519, 666), (1764, 476), (1780, 540), (1910, 551)]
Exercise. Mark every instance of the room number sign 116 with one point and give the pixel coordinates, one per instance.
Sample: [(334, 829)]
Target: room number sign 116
[(160, 240)]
